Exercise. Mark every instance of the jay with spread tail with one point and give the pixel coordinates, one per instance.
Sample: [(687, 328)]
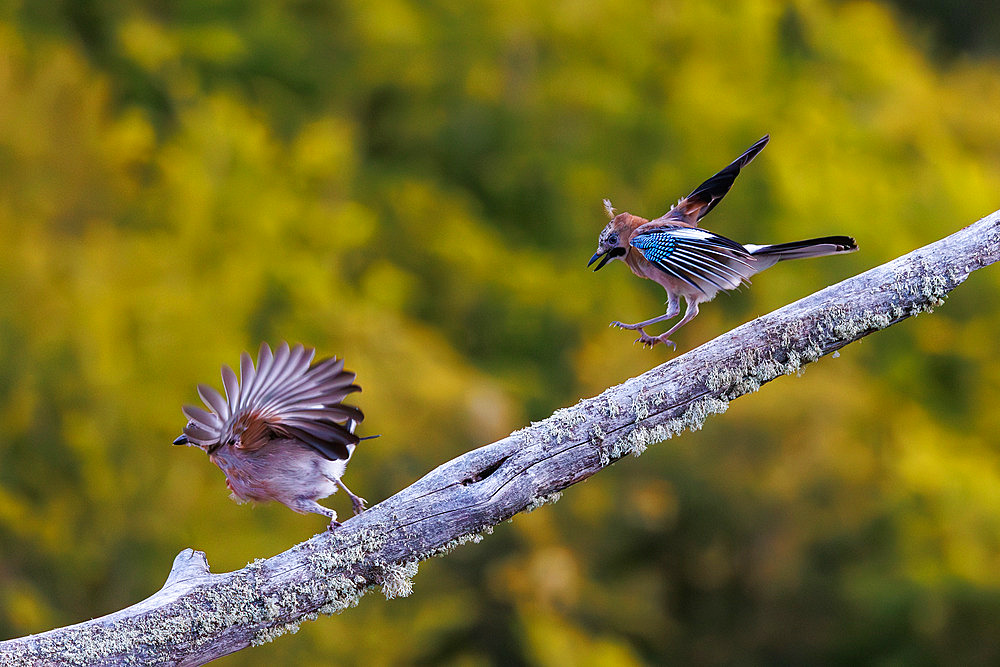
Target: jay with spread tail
[(281, 432), (691, 262)]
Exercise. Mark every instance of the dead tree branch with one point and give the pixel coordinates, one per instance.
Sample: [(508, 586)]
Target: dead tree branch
[(199, 615)]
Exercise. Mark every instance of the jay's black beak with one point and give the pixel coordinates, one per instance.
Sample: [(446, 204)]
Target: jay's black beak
[(608, 256), (181, 440)]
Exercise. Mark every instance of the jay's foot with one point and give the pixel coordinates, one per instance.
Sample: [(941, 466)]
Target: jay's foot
[(334, 525), (359, 504), (622, 325), (650, 341)]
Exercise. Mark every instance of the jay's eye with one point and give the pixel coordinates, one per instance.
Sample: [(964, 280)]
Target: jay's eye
[(613, 239)]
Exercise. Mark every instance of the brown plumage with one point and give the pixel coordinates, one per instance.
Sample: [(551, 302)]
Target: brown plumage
[(281, 432), (691, 262)]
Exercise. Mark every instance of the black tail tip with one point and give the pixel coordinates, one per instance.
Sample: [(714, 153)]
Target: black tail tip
[(842, 243)]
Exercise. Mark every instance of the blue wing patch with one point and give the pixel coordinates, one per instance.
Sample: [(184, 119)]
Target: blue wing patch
[(697, 257)]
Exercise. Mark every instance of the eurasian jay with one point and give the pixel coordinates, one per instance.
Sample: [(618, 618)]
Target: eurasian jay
[(282, 433), (691, 262)]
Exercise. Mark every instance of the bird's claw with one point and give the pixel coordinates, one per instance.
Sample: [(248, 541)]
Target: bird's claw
[(622, 325), (647, 341), (334, 525), (651, 341), (359, 504)]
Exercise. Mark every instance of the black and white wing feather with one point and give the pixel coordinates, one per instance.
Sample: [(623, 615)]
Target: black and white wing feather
[(282, 396), (704, 198), (703, 260)]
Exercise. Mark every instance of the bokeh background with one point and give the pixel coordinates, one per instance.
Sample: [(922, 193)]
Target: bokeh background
[(417, 186)]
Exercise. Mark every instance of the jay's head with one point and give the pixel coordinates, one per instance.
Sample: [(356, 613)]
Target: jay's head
[(250, 428), (613, 241)]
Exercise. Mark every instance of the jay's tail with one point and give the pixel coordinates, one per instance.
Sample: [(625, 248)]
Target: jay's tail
[(826, 245), (768, 255)]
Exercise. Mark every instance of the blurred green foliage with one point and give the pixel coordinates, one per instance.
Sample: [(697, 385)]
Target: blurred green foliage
[(417, 186)]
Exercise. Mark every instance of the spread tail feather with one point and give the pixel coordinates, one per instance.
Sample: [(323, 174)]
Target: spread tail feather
[(819, 247)]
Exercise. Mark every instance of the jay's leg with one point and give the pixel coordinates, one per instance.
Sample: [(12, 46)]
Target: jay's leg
[(673, 310), (357, 502), (309, 505), (689, 314)]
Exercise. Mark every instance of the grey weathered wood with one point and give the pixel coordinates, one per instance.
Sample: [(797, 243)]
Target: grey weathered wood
[(198, 615)]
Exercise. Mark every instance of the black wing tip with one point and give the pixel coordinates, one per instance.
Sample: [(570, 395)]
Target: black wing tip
[(332, 449), (711, 192), (752, 152)]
